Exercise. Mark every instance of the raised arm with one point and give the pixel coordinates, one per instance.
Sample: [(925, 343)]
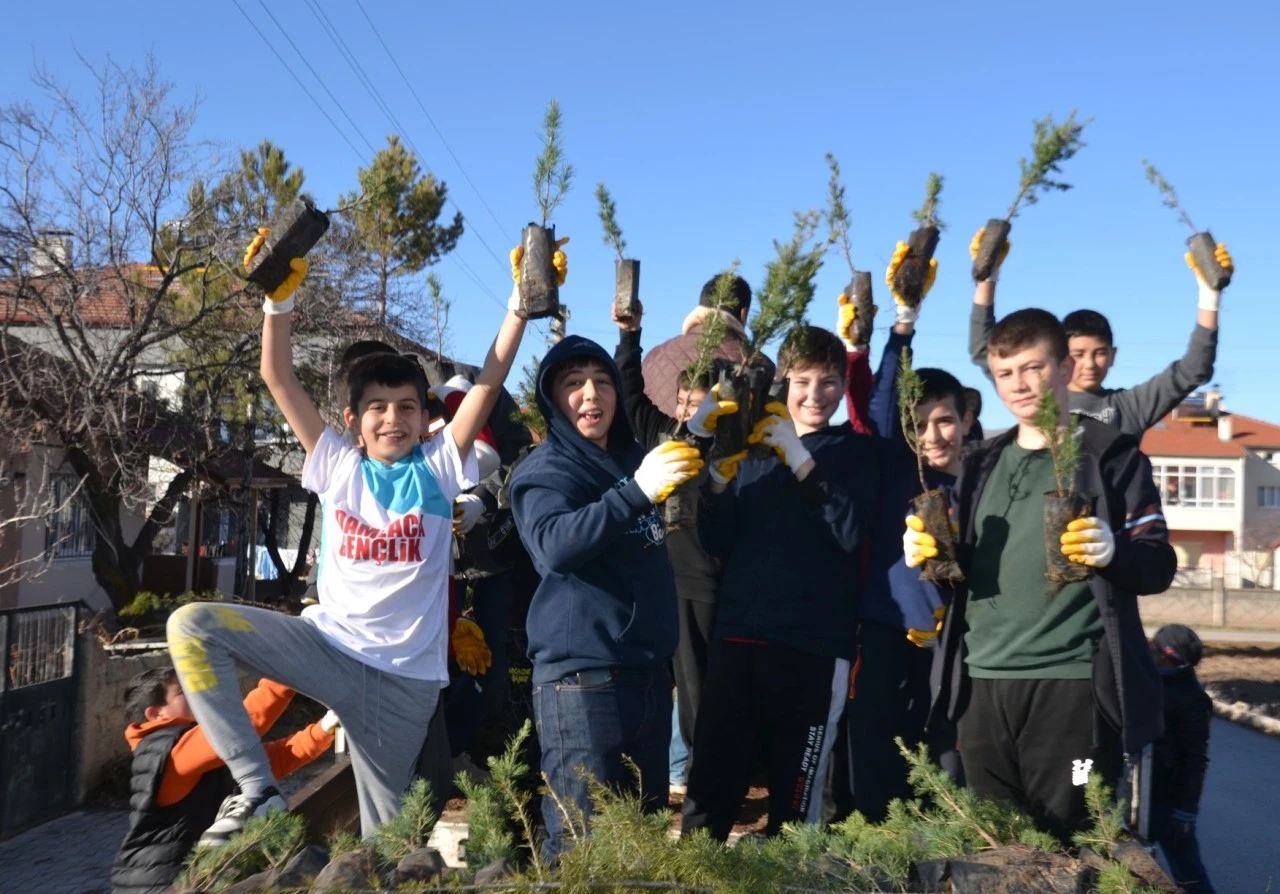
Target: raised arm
[(883, 412), (650, 424), (982, 319), (277, 372), (475, 408)]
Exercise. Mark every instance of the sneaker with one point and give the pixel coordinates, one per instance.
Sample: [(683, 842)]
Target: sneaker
[(236, 811)]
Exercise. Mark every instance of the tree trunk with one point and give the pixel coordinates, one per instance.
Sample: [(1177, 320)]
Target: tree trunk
[(115, 565)]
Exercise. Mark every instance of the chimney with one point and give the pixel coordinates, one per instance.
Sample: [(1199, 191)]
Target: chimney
[(50, 253), (1224, 427), (1213, 400)]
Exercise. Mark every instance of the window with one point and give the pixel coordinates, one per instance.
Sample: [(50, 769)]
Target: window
[(69, 533), (1269, 498), (1199, 486)]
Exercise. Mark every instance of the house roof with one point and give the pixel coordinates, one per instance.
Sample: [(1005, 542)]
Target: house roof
[(1176, 437), (109, 296)]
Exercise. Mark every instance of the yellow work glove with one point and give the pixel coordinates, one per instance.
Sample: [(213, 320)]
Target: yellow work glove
[(922, 638), (470, 649), (1089, 541), (853, 323), (977, 243), (917, 546), (725, 470), (779, 432), (280, 300), (703, 423), (904, 312), (559, 260), (666, 467), (1209, 298)]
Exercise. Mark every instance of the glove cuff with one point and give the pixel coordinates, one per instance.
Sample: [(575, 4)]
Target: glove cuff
[(1209, 298), (272, 308), (797, 457), (904, 314), (513, 303)]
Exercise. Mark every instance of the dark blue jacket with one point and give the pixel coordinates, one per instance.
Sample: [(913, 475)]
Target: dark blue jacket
[(608, 595), (793, 549), (895, 595)]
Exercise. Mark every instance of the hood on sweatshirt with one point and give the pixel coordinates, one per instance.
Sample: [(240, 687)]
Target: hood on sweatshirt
[(622, 446)]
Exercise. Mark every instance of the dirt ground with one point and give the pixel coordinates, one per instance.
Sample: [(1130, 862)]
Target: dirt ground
[(1239, 672)]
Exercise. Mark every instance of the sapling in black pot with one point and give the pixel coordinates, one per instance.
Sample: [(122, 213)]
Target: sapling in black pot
[(539, 281), (909, 278), (626, 293), (931, 506), (1065, 503), (1051, 145), (294, 232), (1201, 245), (858, 290)]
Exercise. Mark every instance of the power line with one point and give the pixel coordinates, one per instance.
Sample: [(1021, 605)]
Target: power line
[(287, 67), (427, 114)]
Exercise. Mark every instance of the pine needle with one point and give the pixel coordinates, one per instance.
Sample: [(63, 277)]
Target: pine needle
[(609, 220), (552, 174), (1050, 147)]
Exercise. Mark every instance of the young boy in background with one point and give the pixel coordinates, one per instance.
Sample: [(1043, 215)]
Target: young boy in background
[(789, 529), (178, 782), (1181, 756)]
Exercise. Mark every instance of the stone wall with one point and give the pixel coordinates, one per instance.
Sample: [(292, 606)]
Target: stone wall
[(1213, 607)]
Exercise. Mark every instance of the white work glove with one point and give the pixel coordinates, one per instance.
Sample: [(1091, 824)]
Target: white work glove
[(329, 722), (1089, 541), (917, 546), (703, 423), (467, 510), (779, 432), (513, 303), (666, 467)]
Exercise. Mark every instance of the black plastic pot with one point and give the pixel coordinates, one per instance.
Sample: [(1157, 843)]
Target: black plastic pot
[(1202, 247), (933, 508), (294, 232), (994, 237), (626, 293), (914, 270), (539, 289), (1059, 512)]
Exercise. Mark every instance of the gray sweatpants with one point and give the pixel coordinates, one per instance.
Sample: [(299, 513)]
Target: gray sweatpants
[(385, 715)]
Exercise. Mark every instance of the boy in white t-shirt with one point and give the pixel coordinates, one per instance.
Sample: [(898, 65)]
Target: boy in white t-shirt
[(375, 647)]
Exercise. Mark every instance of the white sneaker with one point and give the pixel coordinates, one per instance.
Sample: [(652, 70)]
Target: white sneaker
[(236, 811)]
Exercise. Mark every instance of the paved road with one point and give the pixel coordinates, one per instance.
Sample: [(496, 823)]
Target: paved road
[(1239, 826)]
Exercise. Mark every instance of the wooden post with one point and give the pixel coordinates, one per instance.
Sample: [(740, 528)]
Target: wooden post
[(193, 533), (251, 583)]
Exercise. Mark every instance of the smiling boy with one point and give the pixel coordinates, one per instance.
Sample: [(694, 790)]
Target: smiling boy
[(789, 529), (374, 648), (1048, 686), (602, 626)]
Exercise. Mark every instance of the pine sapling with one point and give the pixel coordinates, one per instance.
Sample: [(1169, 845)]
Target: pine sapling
[(912, 268), (1063, 445), (858, 291), (910, 394), (440, 308), (1051, 145), (410, 829), (714, 327), (626, 293), (526, 412), (1063, 504), (552, 177), (1207, 255)]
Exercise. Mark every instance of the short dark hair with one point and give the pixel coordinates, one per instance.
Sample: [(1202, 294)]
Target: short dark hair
[(811, 346), (580, 361), (149, 689), (1024, 328), (1090, 323), (938, 384), (381, 368), (741, 294), (703, 382), (973, 402)]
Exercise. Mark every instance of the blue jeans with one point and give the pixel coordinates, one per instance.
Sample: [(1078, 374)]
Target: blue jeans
[(591, 721), (678, 753), (469, 699)]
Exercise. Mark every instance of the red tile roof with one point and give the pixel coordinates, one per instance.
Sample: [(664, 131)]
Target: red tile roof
[(1174, 437), (111, 295)]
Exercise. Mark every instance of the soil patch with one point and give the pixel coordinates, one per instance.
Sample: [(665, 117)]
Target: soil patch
[(1241, 672)]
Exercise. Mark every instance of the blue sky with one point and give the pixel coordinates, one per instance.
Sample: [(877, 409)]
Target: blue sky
[(709, 122)]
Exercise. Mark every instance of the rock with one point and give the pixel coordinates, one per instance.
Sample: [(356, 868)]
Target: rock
[(254, 884), (1144, 866), (930, 876), (495, 872), (1018, 869), (353, 871), (303, 868), (423, 865)]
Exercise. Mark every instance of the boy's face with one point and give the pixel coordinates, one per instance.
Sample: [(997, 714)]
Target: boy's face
[(391, 421), (688, 401), (941, 432), (1093, 359), (588, 398), (813, 396), (175, 706), (1022, 376)]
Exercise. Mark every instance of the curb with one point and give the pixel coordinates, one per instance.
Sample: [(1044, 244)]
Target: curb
[(1239, 713)]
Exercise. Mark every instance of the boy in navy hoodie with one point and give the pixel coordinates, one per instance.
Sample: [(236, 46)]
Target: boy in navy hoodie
[(790, 530), (602, 626)]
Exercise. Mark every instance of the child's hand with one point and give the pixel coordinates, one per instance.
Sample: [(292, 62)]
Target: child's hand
[(725, 470), (1208, 297), (703, 423), (631, 323), (779, 432), (917, 546), (1089, 541), (904, 312), (666, 467), (280, 300), (467, 510), (470, 649), (977, 243), (559, 260), (854, 321), (922, 638)]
